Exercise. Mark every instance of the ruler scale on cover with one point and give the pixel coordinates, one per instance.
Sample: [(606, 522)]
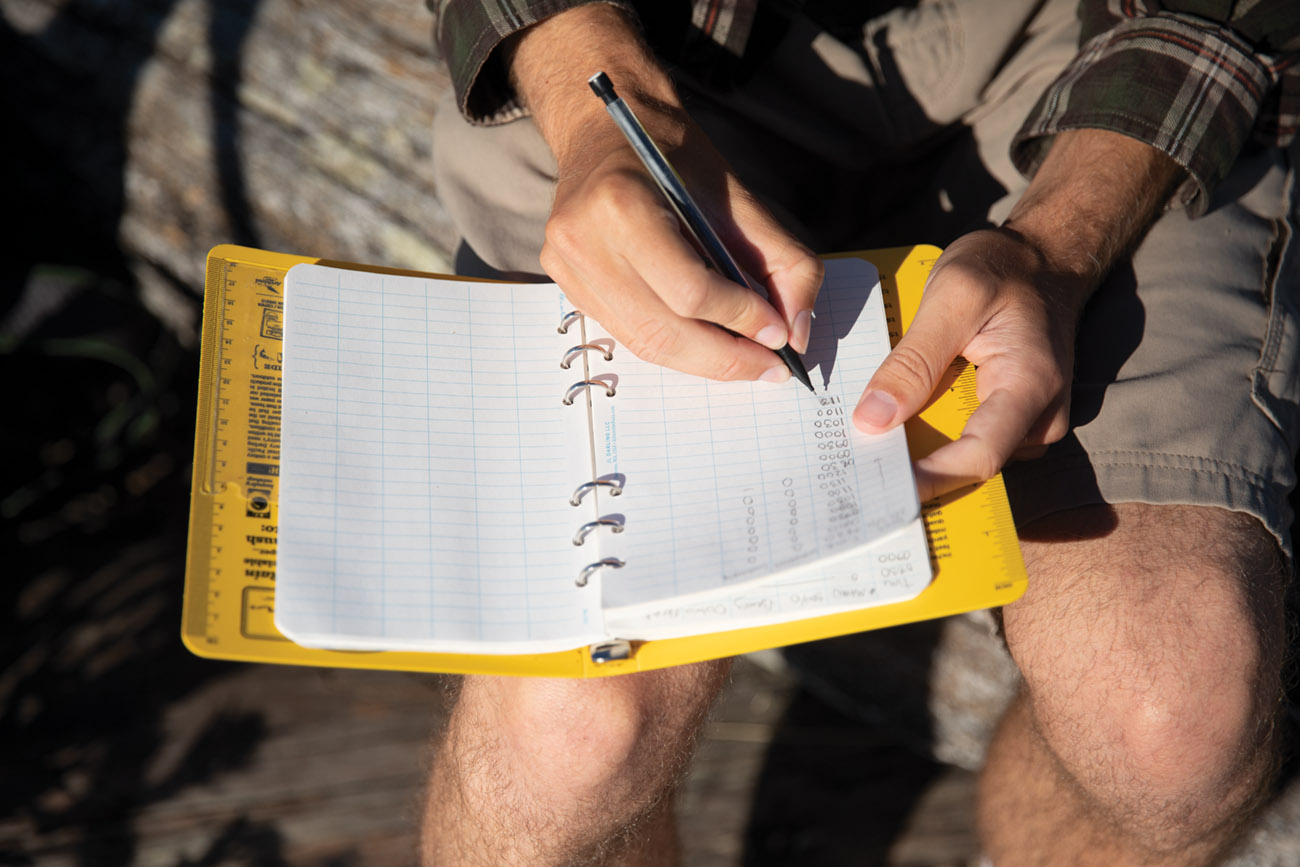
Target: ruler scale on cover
[(230, 575)]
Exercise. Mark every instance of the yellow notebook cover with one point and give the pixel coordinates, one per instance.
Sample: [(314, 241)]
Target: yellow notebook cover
[(230, 571)]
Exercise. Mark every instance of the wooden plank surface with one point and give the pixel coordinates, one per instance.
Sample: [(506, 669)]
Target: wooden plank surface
[(141, 134)]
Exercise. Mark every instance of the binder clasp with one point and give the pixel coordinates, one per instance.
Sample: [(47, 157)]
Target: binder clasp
[(610, 651)]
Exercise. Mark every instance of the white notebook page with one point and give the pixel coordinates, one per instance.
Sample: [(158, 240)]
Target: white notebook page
[(891, 569), (730, 481), (426, 467), (428, 461)]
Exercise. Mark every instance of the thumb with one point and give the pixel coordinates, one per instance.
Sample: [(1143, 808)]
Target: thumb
[(908, 376)]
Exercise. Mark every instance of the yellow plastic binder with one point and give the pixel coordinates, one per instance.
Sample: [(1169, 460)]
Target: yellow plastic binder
[(230, 572)]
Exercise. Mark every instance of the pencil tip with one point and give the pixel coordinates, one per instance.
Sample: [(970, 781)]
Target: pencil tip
[(795, 364), (801, 374)]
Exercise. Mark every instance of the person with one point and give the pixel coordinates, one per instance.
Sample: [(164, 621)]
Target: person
[(1115, 189)]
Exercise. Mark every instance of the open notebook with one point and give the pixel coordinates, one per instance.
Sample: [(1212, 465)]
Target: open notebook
[(431, 466)]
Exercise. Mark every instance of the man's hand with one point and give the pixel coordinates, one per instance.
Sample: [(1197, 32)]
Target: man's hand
[(993, 298), (613, 242), (1009, 300)]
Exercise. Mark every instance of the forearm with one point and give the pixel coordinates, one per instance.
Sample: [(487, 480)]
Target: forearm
[(1095, 195), (1193, 78), (550, 63)]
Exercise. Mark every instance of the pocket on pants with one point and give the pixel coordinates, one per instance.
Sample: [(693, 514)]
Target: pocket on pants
[(1275, 382)]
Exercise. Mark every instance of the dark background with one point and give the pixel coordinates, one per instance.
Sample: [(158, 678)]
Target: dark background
[(137, 135)]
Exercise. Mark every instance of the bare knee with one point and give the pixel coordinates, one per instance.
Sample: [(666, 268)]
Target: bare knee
[(1151, 658), (589, 736), (533, 771), (1166, 761), (561, 743)]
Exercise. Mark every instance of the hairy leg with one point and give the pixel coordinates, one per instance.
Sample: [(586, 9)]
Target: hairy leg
[(539, 771), (1150, 641)]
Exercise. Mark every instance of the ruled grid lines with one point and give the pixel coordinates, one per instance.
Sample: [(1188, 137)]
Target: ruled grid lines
[(880, 348), (417, 413), (668, 483), (713, 464), (427, 465), (383, 490), (519, 450), (334, 563), (428, 448), (473, 432), (700, 447)]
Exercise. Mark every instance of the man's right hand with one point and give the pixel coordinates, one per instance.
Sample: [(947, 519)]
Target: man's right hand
[(613, 243)]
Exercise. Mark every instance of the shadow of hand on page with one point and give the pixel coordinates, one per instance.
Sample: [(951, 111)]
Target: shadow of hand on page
[(833, 323)]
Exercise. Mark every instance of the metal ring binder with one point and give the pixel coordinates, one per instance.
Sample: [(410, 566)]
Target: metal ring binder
[(581, 491), (607, 563), (615, 526), (575, 351), (568, 319), (586, 383)]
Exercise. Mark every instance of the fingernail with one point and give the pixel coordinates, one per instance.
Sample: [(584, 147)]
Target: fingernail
[(876, 408), (775, 374), (800, 330), (773, 337)]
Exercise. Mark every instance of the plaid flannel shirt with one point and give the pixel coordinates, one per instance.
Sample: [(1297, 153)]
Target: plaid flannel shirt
[(1193, 78), (467, 31)]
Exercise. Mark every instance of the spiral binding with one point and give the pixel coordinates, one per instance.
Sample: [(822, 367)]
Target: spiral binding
[(580, 349), (579, 492), (607, 563), (586, 383), (568, 319), (613, 524)]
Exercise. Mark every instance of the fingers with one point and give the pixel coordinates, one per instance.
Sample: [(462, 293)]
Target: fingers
[(619, 253), (992, 433), (792, 289), (694, 292), (791, 273), (1008, 425), (642, 322), (910, 374)]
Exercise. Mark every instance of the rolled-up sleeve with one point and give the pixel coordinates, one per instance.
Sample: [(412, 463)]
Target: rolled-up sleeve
[(1194, 80), (467, 34)]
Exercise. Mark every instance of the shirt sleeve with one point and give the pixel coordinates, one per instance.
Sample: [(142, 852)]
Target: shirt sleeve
[(1193, 79), (466, 35)]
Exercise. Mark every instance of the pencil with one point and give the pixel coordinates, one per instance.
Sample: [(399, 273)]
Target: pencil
[(689, 213)]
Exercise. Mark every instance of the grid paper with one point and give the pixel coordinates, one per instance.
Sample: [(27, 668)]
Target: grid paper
[(427, 463)]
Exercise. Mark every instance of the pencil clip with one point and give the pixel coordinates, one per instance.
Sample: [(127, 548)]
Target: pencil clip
[(575, 351), (614, 488), (586, 383), (590, 568), (568, 319), (615, 524)]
